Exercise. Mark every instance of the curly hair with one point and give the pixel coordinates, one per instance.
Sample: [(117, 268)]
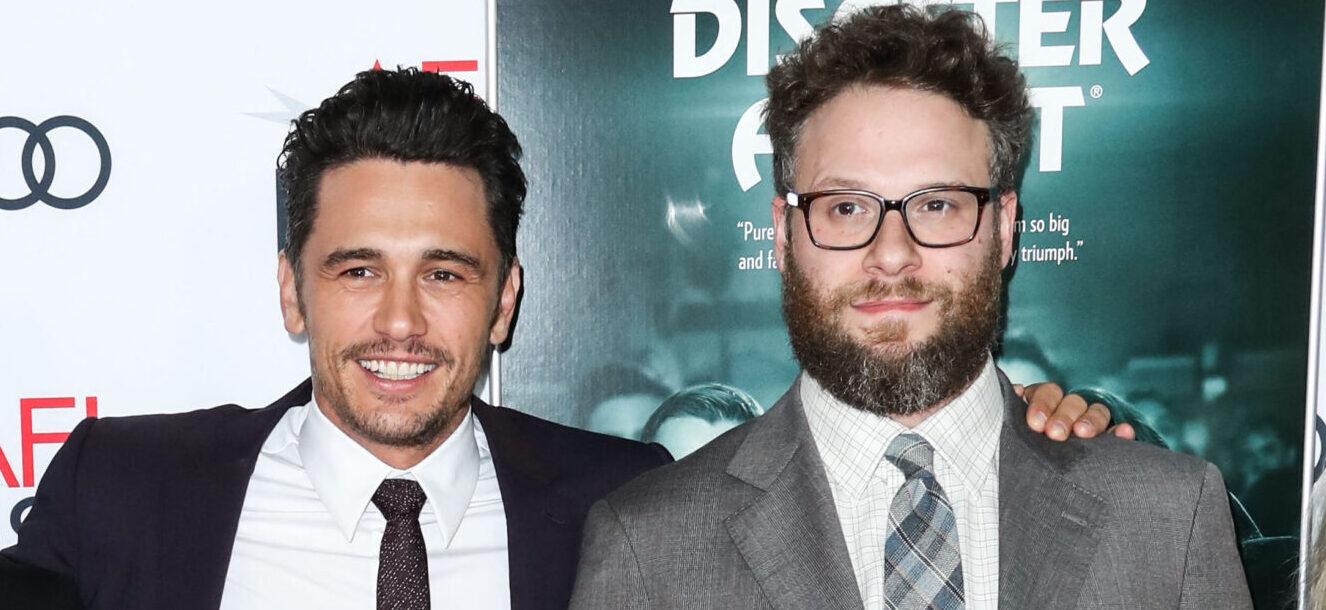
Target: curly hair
[(402, 115), (947, 52)]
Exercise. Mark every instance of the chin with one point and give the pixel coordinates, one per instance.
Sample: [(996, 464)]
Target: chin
[(400, 427)]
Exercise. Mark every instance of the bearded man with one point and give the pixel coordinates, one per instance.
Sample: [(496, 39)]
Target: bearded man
[(895, 472)]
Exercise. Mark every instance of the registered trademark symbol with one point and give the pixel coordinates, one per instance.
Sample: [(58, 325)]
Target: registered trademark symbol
[(1097, 91)]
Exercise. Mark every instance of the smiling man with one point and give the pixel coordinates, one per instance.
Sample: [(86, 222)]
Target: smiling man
[(896, 472), (381, 482)]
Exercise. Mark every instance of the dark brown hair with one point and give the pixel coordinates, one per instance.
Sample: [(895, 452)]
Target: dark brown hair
[(946, 52), (403, 115)]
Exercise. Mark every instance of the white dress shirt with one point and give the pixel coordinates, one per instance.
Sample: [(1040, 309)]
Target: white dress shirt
[(309, 534), (965, 435)]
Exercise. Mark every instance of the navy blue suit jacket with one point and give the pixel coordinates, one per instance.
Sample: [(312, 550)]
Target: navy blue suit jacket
[(141, 512)]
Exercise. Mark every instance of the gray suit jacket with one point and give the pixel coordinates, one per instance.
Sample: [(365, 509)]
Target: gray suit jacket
[(749, 522)]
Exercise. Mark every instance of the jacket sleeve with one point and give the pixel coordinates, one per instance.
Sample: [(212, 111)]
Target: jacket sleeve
[(48, 537), (1212, 574), (609, 575)]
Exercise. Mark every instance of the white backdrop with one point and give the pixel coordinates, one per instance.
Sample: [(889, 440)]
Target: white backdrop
[(160, 294)]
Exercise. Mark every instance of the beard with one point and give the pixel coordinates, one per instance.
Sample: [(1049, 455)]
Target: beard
[(888, 375), (393, 423)]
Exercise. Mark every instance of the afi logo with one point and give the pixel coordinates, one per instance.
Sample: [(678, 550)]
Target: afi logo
[(39, 187), (29, 438)]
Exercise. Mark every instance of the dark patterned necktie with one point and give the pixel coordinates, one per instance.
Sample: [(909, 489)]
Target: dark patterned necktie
[(923, 566), (402, 560)]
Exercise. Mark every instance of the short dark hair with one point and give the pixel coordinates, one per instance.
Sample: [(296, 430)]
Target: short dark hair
[(711, 402), (402, 115), (946, 52)]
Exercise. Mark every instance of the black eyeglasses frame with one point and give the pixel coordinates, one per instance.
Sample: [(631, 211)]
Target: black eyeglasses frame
[(803, 201)]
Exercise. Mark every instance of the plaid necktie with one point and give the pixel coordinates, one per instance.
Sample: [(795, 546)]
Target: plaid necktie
[(923, 567), (402, 559)]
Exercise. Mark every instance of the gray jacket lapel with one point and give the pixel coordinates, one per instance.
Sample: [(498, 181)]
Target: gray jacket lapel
[(790, 535), (1048, 526)]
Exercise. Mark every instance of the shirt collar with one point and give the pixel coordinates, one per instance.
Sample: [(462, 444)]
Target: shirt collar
[(346, 475), (964, 433)]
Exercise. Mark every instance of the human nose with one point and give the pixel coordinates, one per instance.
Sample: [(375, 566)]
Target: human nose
[(400, 314), (892, 252)]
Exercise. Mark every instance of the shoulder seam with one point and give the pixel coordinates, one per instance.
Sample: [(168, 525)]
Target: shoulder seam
[(640, 573), (1192, 528)]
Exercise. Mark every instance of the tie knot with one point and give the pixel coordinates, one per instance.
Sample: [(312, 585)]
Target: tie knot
[(912, 455), (399, 499)]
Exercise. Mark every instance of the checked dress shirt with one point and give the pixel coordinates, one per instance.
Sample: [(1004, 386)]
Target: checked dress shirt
[(965, 437)]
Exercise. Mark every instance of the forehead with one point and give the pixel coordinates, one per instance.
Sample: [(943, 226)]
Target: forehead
[(893, 139), (384, 203)]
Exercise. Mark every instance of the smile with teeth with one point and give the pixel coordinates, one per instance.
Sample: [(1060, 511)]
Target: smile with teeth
[(395, 370)]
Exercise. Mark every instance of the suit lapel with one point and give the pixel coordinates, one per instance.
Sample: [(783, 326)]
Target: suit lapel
[(1048, 526), (543, 532), (198, 520), (790, 535)]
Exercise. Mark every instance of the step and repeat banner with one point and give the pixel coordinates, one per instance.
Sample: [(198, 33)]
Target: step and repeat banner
[(138, 201), (1166, 245)]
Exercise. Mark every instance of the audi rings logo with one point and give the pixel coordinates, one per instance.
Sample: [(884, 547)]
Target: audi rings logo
[(39, 187)]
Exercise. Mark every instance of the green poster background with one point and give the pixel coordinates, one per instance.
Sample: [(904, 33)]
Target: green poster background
[(1188, 189)]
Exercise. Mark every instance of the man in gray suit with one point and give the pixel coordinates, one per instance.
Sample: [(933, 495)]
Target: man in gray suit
[(895, 472)]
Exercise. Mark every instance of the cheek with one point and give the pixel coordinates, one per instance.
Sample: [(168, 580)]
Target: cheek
[(828, 269), (460, 320), (334, 313), (959, 265)]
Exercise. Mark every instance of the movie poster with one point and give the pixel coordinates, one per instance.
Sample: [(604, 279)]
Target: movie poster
[(1165, 246)]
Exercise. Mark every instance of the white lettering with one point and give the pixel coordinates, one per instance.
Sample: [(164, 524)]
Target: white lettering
[(851, 6), (1052, 101), (687, 62), (793, 22), (1118, 29), (747, 141), (987, 10), (1089, 40), (1033, 23), (757, 37)]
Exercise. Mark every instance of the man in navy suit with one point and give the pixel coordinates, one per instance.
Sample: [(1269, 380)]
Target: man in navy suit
[(404, 194)]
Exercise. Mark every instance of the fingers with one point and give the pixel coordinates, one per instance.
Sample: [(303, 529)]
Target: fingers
[(1066, 414), (1093, 422), (1042, 399), (1124, 431), (1019, 389)]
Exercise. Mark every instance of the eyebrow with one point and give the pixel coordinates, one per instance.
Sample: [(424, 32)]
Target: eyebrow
[(445, 255), (342, 255), (836, 182), (839, 182)]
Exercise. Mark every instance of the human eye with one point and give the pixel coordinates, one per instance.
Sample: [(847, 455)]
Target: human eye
[(846, 206), (444, 276), (358, 273), (936, 205), (942, 203)]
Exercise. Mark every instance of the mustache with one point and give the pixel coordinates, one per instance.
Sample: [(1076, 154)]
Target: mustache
[(413, 347), (875, 289)]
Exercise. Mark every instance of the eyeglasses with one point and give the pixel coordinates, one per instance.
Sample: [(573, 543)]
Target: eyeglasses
[(936, 217)]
